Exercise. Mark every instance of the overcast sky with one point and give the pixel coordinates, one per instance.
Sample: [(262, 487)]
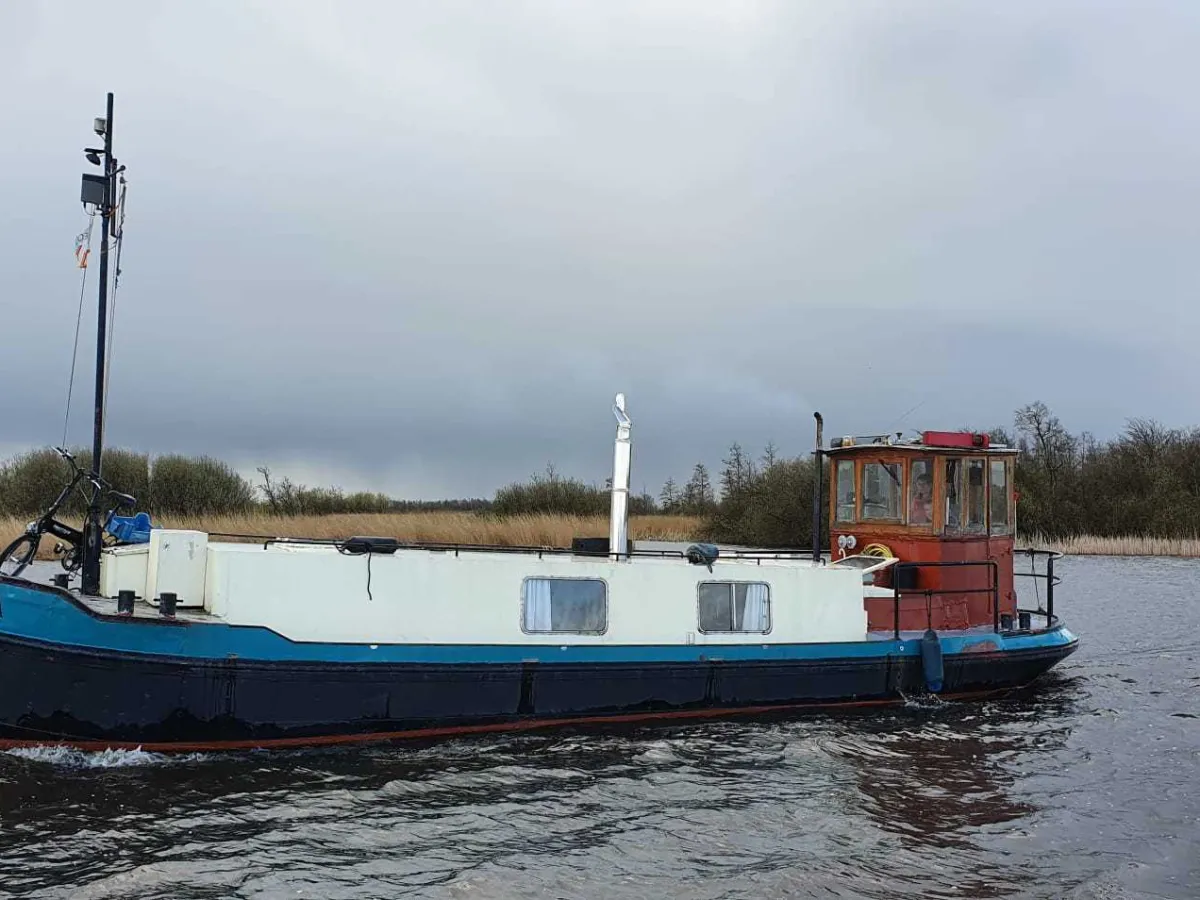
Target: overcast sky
[(418, 247)]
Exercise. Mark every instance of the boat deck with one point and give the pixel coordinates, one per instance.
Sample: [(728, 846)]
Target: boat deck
[(141, 610)]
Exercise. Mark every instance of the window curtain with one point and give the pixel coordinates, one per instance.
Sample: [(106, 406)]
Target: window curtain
[(754, 615), (537, 605)]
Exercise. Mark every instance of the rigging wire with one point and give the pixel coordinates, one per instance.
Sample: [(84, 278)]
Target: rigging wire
[(83, 242), (118, 239), (899, 420)]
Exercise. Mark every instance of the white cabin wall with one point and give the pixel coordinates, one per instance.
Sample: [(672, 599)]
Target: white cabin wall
[(419, 596)]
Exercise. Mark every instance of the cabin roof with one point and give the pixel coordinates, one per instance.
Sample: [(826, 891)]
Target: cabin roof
[(946, 442)]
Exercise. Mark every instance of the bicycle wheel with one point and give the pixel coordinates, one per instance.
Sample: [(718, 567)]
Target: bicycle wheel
[(18, 555)]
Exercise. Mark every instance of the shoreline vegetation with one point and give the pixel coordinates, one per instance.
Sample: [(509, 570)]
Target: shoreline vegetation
[(550, 530), (1136, 495), (539, 530)]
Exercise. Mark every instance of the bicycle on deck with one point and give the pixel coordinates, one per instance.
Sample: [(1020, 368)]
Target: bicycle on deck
[(17, 556)]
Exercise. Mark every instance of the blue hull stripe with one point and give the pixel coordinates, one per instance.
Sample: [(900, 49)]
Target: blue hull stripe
[(46, 615)]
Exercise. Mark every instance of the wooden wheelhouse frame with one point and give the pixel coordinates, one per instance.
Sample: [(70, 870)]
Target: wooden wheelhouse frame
[(946, 576), (907, 458)]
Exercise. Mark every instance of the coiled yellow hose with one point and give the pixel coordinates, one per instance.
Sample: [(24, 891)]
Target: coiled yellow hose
[(883, 551)]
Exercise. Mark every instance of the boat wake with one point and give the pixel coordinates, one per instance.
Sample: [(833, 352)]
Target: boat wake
[(923, 701), (71, 758)]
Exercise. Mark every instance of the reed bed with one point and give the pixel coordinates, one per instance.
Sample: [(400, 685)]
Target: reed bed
[(433, 527), (553, 531), (1132, 545)]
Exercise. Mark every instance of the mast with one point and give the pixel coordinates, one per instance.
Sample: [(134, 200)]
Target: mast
[(93, 527)]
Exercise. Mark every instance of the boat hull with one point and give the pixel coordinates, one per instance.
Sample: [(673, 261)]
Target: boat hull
[(59, 694), (73, 675)]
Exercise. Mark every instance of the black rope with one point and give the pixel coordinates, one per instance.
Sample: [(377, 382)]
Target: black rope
[(1036, 593), (341, 548)]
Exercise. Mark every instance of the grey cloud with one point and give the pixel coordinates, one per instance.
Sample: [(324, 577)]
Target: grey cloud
[(420, 247)]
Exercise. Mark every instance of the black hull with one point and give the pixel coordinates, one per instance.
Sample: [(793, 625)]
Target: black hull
[(104, 699)]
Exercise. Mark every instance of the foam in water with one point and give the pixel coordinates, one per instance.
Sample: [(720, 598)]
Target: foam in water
[(69, 757), (922, 701)]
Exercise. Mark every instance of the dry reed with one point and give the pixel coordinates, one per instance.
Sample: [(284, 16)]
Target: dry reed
[(554, 531), (1132, 545), (432, 527)]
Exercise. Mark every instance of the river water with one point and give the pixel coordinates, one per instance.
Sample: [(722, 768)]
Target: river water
[(1088, 787)]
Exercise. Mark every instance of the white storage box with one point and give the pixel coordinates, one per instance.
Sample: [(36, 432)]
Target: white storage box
[(177, 563), (124, 569)]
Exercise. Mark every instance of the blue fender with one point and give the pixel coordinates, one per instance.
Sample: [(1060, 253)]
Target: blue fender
[(931, 660)]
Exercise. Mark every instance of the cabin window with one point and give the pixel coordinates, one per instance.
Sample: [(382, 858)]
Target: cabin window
[(881, 490), (734, 606), (570, 605), (976, 496), (999, 496), (920, 492), (953, 515), (845, 490)]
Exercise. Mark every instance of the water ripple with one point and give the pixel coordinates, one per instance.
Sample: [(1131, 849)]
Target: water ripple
[(1080, 789)]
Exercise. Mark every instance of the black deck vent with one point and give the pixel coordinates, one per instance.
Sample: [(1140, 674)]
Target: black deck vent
[(594, 546), (360, 545)]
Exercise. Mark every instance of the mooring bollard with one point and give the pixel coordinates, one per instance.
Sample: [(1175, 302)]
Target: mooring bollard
[(125, 603), (166, 604)]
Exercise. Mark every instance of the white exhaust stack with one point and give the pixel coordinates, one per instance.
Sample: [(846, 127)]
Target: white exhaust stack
[(618, 529)]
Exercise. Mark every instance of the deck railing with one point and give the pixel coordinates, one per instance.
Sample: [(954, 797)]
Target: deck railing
[(726, 554), (993, 587), (1048, 576)]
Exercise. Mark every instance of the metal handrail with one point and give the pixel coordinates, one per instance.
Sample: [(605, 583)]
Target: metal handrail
[(1049, 576), (438, 546), (993, 587)]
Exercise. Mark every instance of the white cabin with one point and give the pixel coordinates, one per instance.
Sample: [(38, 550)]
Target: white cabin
[(383, 592), (316, 592)]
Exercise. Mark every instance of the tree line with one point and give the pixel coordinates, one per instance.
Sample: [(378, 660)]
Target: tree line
[(176, 485), (1146, 481)]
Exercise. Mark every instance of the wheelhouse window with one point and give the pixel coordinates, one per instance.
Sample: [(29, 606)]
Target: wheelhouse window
[(920, 492), (881, 490), (845, 490), (952, 517), (1001, 497), (734, 606), (564, 605), (976, 496)]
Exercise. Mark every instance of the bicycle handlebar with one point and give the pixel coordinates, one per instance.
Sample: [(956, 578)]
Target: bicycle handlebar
[(97, 481), (123, 500)]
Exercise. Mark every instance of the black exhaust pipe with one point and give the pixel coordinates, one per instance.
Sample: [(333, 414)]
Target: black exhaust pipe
[(817, 460)]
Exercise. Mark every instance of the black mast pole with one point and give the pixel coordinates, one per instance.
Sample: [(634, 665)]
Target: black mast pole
[(92, 528)]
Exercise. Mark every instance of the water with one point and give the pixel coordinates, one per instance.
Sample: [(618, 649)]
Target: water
[(1087, 789)]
